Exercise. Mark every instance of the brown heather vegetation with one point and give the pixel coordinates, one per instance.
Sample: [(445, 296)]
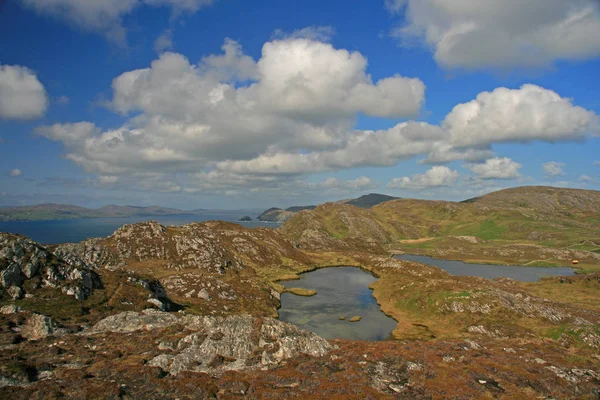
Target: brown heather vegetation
[(456, 337)]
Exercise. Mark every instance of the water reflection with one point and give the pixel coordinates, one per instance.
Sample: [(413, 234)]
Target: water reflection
[(341, 291), (459, 268)]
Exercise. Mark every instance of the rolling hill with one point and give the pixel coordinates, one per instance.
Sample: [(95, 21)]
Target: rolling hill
[(535, 218)]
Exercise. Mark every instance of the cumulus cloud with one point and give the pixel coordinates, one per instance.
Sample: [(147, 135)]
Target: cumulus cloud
[(553, 169), (22, 95), (496, 168), (501, 34), (69, 134), (518, 115), (435, 177), (302, 96), (586, 178), (15, 172), (231, 122), (105, 16)]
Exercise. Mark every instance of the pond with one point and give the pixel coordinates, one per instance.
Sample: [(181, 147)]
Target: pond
[(341, 291), (459, 268)]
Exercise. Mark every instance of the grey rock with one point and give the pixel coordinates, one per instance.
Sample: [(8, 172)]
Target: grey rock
[(217, 344), (203, 294), (132, 321), (159, 304), (10, 309), (22, 259), (11, 276), (39, 326), (15, 292)]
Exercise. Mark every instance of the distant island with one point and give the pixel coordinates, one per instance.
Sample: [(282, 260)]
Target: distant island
[(245, 219)]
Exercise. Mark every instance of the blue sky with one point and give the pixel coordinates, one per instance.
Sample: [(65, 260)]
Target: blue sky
[(229, 104)]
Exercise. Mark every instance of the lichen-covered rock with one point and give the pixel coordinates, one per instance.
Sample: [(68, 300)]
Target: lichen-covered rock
[(237, 343), (132, 321), (39, 326), (10, 309), (21, 259), (218, 344)]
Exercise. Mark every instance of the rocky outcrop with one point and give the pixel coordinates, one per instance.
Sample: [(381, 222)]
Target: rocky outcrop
[(215, 344), (23, 260), (213, 247)]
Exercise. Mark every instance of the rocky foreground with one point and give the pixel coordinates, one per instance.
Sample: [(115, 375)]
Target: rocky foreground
[(187, 312)]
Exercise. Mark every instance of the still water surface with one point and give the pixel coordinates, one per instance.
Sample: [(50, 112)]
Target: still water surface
[(341, 291), (459, 268), (76, 230)]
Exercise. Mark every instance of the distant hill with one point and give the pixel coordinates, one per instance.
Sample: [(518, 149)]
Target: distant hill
[(129, 211), (275, 214), (370, 200), (367, 201), (556, 217), (542, 198), (63, 211), (300, 208)]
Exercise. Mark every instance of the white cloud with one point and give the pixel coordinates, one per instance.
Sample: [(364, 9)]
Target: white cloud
[(496, 168), (318, 33), (444, 152), (586, 178), (501, 34), (435, 177), (22, 95), (15, 172), (311, 80), (232, 64), (303, 97), (106, 16), (553, 169), (233, 122), (358, 149), (164, 41), (597, 163), (358, 184), (69, 134), (518, 115)]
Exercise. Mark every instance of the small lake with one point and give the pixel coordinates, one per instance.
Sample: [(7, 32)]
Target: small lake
[(459, 268), (76, 230), (341, 291)]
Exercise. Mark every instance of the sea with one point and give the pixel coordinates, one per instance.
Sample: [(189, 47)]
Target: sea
[(76, 230)]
